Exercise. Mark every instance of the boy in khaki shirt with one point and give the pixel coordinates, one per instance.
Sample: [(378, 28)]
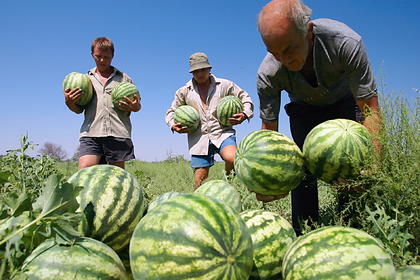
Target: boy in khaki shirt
[(203, 92), (105, 135)]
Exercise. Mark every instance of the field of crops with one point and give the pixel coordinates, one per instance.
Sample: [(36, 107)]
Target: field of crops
[(35, 207)]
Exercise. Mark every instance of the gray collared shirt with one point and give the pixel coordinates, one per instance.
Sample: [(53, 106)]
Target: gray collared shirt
[(102, 119), (210, 128), (341, 66)]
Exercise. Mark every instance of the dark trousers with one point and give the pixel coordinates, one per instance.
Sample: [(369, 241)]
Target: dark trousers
[(302, 119)]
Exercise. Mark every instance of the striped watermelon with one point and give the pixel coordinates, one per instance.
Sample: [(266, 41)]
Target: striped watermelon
[(223, 191), (408, 273), (269, 163), (84, 260), (82, 81), (187, 116), (271, 236), (123, 89), (112, 202), (191, 236), (336, 252), (227, 107), (160, 199), (337, 149)]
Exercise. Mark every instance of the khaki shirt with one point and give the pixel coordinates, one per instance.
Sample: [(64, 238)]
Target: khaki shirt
[(102, 119), (210, 128)]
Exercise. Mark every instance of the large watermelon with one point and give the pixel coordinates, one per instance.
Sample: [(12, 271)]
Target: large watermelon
[(335, 253), (82, 81), (269, 163), (161, 198), (223, 191), (271, 236), (191, 236), (411, 272), (227, 107), (187, 116), (86, 259), (337, 149), (123, 89), (112, 202)]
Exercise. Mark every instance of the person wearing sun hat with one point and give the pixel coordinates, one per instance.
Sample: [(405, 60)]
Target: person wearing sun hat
[(203, 92)]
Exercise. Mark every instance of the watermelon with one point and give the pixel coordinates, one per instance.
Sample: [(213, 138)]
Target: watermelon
[(223, 191), (187, 116), (191, 236), (112, 202), (269, 163), (123, 89), (85, 259), (161, 198), (337, 148), (336, 252), (408, 273), (82, 81), (227, 107), (271, 236)]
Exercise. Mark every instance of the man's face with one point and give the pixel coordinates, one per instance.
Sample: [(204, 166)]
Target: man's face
[(103, 58), (288, 46), (201, 75)]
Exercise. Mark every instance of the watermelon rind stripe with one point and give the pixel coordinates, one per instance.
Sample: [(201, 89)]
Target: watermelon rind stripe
[(118, 203), (199, 235), (271, 236), (337, 252), (82, 81), (227, 107), (123, 89), (86, 259), (269, 162), (188, 116), (337, 149)]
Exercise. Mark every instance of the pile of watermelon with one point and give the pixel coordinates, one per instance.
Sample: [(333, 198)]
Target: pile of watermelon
[(206, 234), (199, 235)]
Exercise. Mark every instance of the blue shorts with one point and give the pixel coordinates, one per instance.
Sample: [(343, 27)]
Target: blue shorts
[(199, 161), (111, 149)]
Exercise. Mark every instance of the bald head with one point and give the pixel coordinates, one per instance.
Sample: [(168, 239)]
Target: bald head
[(277, 13)]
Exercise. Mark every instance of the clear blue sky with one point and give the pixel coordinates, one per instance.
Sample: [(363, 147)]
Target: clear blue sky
[(43, 41)]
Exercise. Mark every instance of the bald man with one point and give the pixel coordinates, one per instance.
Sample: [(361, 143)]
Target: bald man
[(324, 67)]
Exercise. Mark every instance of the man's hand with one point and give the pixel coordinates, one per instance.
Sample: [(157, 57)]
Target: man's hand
[(237, 119), (268, 198), (180, 129), (131, 105)]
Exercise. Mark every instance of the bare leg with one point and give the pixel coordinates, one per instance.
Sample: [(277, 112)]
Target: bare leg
[(200, 176), (88, 160), (228, 155)]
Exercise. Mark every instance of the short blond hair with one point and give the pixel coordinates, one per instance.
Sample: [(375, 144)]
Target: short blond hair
[(103, 43)]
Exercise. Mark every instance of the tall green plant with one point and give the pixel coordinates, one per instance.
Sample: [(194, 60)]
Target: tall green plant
[(23, 173)]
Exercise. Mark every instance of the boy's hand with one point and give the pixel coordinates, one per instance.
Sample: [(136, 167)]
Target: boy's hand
[(180, 129), (237, 119), (72, 96), (131, 105)]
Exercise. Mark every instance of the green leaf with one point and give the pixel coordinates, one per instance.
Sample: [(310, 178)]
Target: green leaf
[(57, 198), (4, 176), (19, 204)]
